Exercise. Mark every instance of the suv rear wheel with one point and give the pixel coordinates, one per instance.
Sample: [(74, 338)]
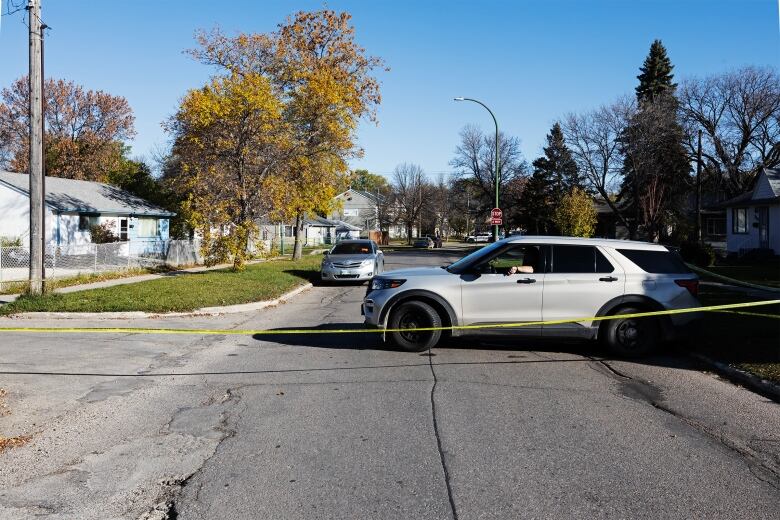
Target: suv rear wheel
[(412, 315), (630, 337)]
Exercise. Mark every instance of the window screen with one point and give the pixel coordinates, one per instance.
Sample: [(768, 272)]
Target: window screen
[(87, 221), (147, 227), (579, 259), (655, 261), (739, 221)]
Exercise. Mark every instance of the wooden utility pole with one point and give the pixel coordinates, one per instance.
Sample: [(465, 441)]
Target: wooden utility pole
[(36, 150), (698, 192)]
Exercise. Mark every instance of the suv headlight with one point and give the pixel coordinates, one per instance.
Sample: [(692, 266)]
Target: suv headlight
[(377, 284)]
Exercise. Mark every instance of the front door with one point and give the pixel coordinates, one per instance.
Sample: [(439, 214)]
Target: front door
[(580, 280), (495, 293), (763, 227)]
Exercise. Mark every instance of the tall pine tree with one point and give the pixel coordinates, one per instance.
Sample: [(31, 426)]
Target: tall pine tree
[(656, 75), (656, 167), (555, 174)]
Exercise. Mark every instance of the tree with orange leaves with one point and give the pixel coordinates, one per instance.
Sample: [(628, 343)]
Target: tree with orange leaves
[(85, 130)]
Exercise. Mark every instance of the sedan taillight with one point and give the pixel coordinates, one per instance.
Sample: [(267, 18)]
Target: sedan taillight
[(691, 285)]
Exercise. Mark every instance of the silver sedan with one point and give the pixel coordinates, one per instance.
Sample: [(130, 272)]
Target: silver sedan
[(352, 260)]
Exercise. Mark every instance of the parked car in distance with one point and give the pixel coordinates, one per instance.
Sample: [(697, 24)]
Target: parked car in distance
[(352, 260), (479, 237), (424, 242), (531, 279)]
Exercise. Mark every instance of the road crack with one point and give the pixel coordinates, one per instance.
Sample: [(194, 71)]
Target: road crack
[(759, 466), (437, 434)]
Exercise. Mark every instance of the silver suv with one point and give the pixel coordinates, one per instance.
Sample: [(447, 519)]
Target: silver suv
[(535, 279)]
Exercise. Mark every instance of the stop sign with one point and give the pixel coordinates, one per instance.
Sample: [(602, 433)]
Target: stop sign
[(496, 213)]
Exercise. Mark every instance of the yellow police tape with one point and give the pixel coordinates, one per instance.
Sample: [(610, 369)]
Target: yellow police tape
[(271, 332)]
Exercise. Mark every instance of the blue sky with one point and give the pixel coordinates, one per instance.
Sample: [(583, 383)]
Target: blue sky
[(530, 61)]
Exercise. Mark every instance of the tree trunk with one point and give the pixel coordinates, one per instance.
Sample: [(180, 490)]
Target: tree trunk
[(298, 248)]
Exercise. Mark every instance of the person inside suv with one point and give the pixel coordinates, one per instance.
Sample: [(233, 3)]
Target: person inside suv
[(516, 260), (529, 263)]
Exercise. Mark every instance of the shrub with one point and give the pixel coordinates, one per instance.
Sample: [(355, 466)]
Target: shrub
[(10, 242), (103, 233), (701, 255)]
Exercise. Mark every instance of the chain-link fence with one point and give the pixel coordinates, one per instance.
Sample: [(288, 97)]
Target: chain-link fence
[(77, 259)]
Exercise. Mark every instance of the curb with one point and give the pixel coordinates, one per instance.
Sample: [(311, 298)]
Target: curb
[(753, 383), (128, 315)]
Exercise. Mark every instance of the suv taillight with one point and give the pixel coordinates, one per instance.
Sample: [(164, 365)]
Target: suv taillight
[(691, 285)]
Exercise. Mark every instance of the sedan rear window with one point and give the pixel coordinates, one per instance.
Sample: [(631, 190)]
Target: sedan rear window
[(660, 262), (353, 248)]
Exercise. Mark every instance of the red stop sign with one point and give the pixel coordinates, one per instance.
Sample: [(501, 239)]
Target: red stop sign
[(496, 213)]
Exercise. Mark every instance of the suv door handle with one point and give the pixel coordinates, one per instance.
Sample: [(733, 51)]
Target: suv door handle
[(527, 280), (608, 279)]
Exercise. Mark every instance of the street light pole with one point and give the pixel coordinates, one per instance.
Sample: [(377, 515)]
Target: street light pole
[(495, 228)]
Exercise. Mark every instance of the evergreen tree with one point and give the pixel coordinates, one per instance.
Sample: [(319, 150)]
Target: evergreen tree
[(656, 167), (656, 77), (555, 174)]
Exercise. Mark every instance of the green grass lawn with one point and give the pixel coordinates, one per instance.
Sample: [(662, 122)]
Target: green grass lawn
[(182, 292), (750, 343), (762, 274)]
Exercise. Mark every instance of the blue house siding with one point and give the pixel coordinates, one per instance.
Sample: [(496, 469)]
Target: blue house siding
[(148, 245)]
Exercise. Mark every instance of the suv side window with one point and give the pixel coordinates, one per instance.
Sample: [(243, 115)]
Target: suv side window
[(579, 259), (657, 262), (514, 256)]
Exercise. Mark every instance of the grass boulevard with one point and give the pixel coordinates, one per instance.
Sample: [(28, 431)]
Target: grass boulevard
[(180, 293)]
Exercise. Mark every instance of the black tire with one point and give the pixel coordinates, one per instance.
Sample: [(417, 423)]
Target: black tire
[(631, 337), (411, 315)]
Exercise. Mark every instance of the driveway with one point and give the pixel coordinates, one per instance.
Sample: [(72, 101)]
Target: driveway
[(338, 426)]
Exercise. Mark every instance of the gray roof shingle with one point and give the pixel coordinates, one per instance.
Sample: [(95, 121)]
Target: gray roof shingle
[(69, 195)]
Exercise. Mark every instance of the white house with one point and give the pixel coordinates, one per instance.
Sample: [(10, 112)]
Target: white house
[(753, 218), (73, 206), (360, 210)]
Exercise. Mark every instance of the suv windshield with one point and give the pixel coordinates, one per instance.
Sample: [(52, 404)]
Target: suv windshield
[(352, 248), (457, 267)]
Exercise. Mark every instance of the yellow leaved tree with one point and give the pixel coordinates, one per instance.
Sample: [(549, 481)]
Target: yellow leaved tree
[(323, 81), (575, 215), (228, 137)]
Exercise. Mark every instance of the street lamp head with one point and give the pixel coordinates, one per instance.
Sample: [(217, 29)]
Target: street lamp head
[(459, 99)]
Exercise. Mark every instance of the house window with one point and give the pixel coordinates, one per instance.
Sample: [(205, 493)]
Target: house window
[(87, 221), (716, 227), (148, 227), (123, 229), (739, 221)]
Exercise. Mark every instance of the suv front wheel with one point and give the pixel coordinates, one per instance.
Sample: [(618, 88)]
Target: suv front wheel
[(630, 337), (413, 315)]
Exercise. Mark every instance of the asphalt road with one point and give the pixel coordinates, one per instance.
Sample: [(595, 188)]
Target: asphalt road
[(324, 426)]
